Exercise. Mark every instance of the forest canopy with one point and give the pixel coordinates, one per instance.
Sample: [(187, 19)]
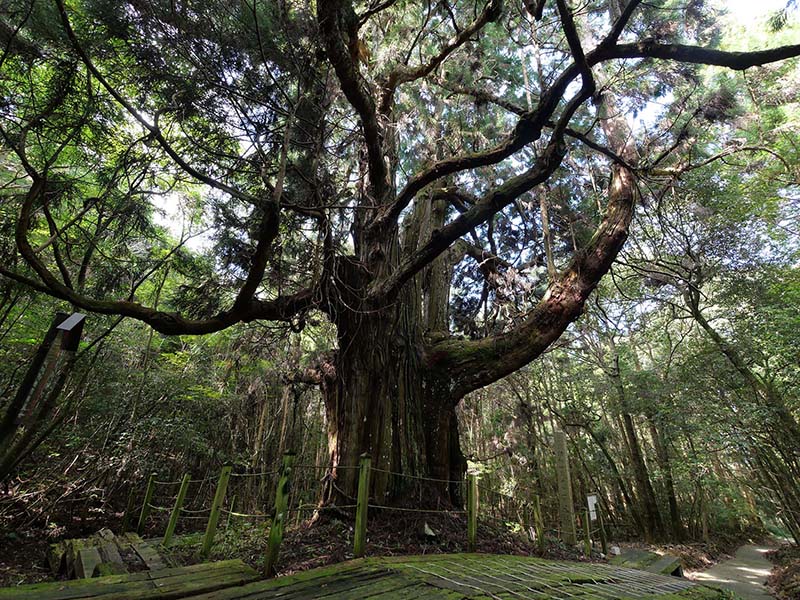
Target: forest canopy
[(368, 212)]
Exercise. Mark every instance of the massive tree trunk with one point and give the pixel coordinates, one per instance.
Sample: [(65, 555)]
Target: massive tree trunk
[(381, 397), (380, 400)]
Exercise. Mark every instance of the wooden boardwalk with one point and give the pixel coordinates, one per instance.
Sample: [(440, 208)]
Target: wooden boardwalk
[(433, 577)]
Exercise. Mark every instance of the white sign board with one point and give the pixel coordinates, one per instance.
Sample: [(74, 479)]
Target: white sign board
[(591, 500)]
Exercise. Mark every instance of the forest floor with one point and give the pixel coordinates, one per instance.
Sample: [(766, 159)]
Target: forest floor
[(330, 541), (785, 577)]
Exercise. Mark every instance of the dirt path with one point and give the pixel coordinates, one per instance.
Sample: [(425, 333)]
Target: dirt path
[(744, 574)]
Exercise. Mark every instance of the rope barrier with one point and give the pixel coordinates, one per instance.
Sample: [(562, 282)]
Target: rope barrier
[(202, 480), (323, 508), (158, 507), (262, 474), (195, 512), (418, 510), (417, 476), (166, 482), (305, 508), (248, 515), (326, 467)]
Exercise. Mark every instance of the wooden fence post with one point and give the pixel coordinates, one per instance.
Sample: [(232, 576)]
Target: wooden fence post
[(279, 516), (362, 506), (216, 505), (603, 538), (538, 523), (587, 533), (176, 511), (148, 496), (472, 512), (565, 506), (129, 508)]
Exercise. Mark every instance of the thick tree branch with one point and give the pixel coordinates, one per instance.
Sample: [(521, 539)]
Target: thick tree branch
[(280, 309), (485, 96), (528, 129), (696, 54), (337, 23), (373, 10), (404, 74), (574, 42), (473, 364), (494, 201)]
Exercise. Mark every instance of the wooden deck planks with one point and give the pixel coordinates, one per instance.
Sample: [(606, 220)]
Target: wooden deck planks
[(438, 577), (166, 584), (467, 576)]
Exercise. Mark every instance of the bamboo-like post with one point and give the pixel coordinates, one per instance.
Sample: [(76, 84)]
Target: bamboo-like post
[(148, 496), (362, 506), (587, 533), (279, 516), (216, 505), (130, 506), (472, 512), (538, 523), (176, 511), (565, 504), (601, 526)]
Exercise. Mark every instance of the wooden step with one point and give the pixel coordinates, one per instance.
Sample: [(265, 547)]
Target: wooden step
[(165, 584), (634, 558), (86, 561), (668, 564), (103, 554), (145, 550)]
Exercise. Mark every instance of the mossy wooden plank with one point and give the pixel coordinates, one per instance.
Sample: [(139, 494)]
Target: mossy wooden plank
[(73, 550), (317, 583), (106, 534), (667, 565), (147, 589), (149, 556), (130, 537), (176, 582), (109, 568), (391, 585), (112, 558), (185, 587), (413, 592), (635, 558), (368, 586), (86, 562)]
